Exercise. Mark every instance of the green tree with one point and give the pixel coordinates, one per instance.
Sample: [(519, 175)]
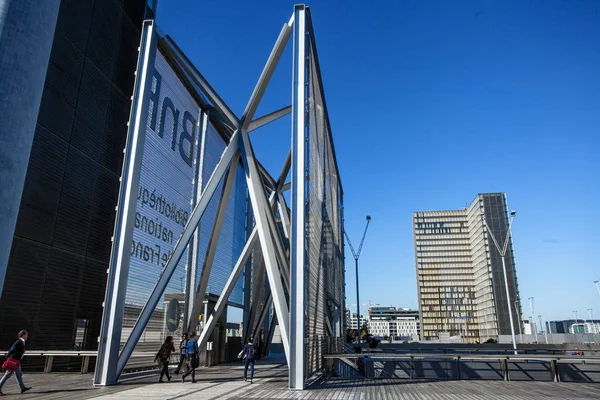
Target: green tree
[(350, 335), (364, 332)]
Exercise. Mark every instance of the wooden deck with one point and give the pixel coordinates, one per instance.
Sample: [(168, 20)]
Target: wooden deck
[(225, 382)]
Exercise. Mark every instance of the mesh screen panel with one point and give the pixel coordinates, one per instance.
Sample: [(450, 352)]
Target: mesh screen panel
[(172, 148), (324, 279)]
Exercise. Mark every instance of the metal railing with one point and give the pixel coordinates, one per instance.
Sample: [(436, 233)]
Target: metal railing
[(145, 357), (557, 368)]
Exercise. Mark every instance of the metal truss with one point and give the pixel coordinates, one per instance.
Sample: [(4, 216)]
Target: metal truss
[(278, 253)]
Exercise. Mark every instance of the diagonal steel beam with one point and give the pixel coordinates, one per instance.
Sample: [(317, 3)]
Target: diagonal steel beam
[(266, 74), (257, 285), (259, 207), (262, 316), (269, 335), (229, 286), (213, 242), (287, 164), (284, 213), (199, 80), (211, 187), (268, 118)]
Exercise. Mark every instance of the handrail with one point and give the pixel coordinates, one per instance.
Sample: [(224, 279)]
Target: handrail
[(84, 354), (461, 356), (503, 359)]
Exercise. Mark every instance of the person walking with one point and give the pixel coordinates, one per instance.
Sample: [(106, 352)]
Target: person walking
[(164, 355), (182, 352), (192, 358), (12, 365), (249, 355)]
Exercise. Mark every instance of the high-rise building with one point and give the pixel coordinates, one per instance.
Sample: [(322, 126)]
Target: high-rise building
[(56, 275), (460, 279)]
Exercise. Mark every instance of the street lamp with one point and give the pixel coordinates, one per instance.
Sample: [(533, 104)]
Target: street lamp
[(519, 320), (597, 287), (545, 333), (356, 256), (531, 318), (502, 252)]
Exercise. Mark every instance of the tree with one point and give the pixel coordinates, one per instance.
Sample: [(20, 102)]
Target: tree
[(350, 335), (364, 331)]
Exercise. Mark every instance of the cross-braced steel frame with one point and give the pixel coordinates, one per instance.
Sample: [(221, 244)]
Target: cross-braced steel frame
[(280, 254)]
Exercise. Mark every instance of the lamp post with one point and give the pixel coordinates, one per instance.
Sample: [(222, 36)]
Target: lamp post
[(356, 255), (502, 252), (531, 318), (545, 333), (519, 321), (597, 287)]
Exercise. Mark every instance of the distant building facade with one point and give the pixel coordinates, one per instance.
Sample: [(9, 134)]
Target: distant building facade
[(395, 323), (351, 320), (460, 279), (572, 326)]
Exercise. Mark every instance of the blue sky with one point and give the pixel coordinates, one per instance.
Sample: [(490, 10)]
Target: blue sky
[(431, 103)]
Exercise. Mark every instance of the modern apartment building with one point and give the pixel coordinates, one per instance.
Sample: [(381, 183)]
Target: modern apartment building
[(460, 279), (396, 323)]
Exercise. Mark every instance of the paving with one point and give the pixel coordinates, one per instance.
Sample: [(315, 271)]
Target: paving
[(225, 382)]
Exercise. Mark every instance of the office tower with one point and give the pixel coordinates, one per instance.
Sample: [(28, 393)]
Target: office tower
[(460, 279), (56, 275)]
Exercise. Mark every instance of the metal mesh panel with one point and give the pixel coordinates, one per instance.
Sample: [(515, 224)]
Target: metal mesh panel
[(233, 233), (171, 151), (164, 200), (324, 279)]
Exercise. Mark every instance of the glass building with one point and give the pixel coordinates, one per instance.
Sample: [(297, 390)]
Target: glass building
[(460, 279)]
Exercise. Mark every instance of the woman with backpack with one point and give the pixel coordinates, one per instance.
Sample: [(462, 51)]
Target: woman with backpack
[(249, 355), (164, 355), (12, 365)]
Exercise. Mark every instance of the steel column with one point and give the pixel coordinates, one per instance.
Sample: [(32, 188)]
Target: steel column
[(297, 242), (194, 254), (107, 371)]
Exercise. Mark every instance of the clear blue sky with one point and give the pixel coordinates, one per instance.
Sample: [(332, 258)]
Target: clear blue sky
[(430, 104)]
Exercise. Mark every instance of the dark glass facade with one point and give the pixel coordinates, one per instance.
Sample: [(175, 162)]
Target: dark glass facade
[(496, 214), (56, 276)]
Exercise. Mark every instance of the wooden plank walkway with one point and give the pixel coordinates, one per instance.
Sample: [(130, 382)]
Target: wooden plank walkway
[(225, 382)]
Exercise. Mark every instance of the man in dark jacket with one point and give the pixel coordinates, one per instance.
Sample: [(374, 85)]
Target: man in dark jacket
[(16, 351), (249, 353)]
